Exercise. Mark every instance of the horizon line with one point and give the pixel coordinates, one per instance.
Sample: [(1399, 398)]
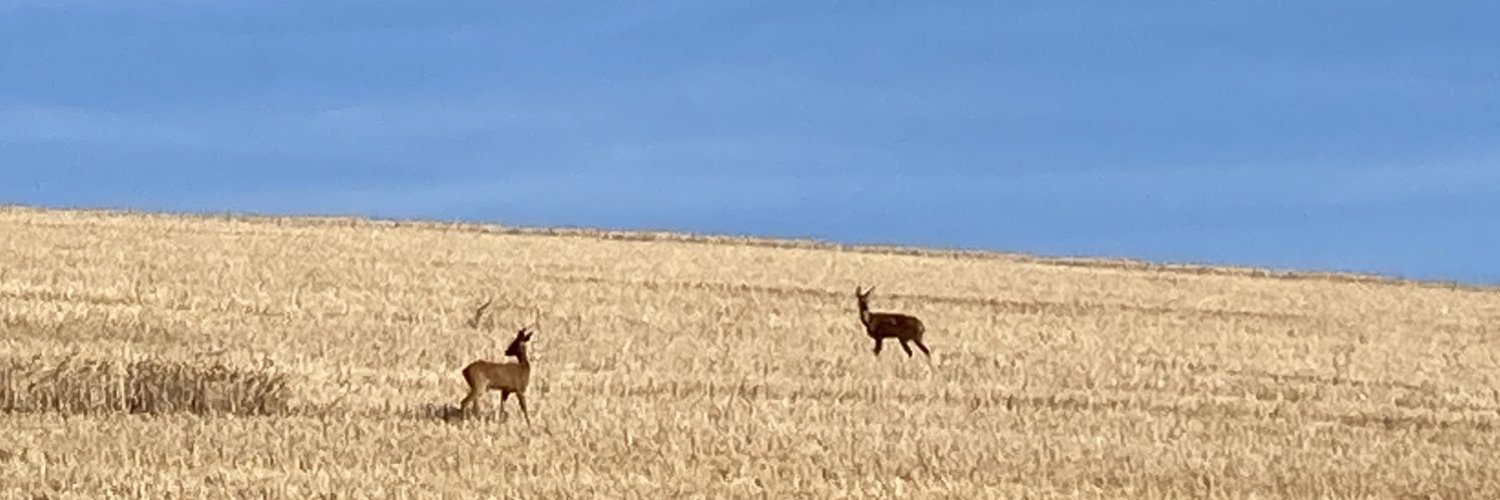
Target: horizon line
[(772, 241)]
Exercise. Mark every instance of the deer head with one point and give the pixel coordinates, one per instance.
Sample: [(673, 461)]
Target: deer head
[(863, 296), (517, 346)]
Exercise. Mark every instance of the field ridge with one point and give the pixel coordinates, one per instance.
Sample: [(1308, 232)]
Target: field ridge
[(775, 242)]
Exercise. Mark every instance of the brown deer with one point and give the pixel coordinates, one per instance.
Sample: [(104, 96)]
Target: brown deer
[(506, 377), (883, 325)]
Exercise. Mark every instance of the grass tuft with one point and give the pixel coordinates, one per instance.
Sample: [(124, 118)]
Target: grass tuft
[(74, 385)]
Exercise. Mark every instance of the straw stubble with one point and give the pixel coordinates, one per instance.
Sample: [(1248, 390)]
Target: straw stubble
[(165, 356)]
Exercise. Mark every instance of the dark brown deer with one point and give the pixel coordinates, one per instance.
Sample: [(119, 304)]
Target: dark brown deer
[(884, 325), (505, 376)]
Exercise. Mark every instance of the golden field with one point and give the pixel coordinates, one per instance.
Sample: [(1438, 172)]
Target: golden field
[(164, 356)]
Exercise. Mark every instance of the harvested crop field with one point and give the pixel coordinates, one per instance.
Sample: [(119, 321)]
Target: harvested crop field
[(165, 356)]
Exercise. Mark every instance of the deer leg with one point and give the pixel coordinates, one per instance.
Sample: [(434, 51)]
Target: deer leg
[(471, 399), (521, 398), (904, 345), (504, 395), (923, 347), (878, 342)]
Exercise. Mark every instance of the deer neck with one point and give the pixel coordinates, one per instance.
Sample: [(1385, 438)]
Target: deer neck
[(864, 314), (522, 358)]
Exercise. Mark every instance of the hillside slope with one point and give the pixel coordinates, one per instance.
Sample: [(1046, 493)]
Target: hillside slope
[(328, 350)]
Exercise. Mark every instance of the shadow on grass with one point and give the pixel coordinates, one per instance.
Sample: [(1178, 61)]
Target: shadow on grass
[(75, 385), (451, 413)]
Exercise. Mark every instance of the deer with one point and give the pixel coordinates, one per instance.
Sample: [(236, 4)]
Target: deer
[(884, 325), (505, 376)]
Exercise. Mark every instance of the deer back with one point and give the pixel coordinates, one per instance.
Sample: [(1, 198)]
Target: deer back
[(505, 375), (901, 326)]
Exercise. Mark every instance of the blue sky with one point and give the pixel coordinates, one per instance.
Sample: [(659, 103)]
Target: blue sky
[(1338, 135)]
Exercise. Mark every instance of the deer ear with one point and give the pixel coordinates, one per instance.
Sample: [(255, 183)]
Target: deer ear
[(869, 290)]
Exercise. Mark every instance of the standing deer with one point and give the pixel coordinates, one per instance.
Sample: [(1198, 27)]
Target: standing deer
[(883, 325), (507, 377)]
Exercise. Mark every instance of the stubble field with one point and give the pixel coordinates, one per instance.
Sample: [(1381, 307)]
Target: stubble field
[(162, 356)]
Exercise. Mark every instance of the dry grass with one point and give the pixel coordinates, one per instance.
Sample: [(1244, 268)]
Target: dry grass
[(234, 357), (78, 386)]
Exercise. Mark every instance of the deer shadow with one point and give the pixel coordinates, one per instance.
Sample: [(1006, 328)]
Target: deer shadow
[(453, 414)]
